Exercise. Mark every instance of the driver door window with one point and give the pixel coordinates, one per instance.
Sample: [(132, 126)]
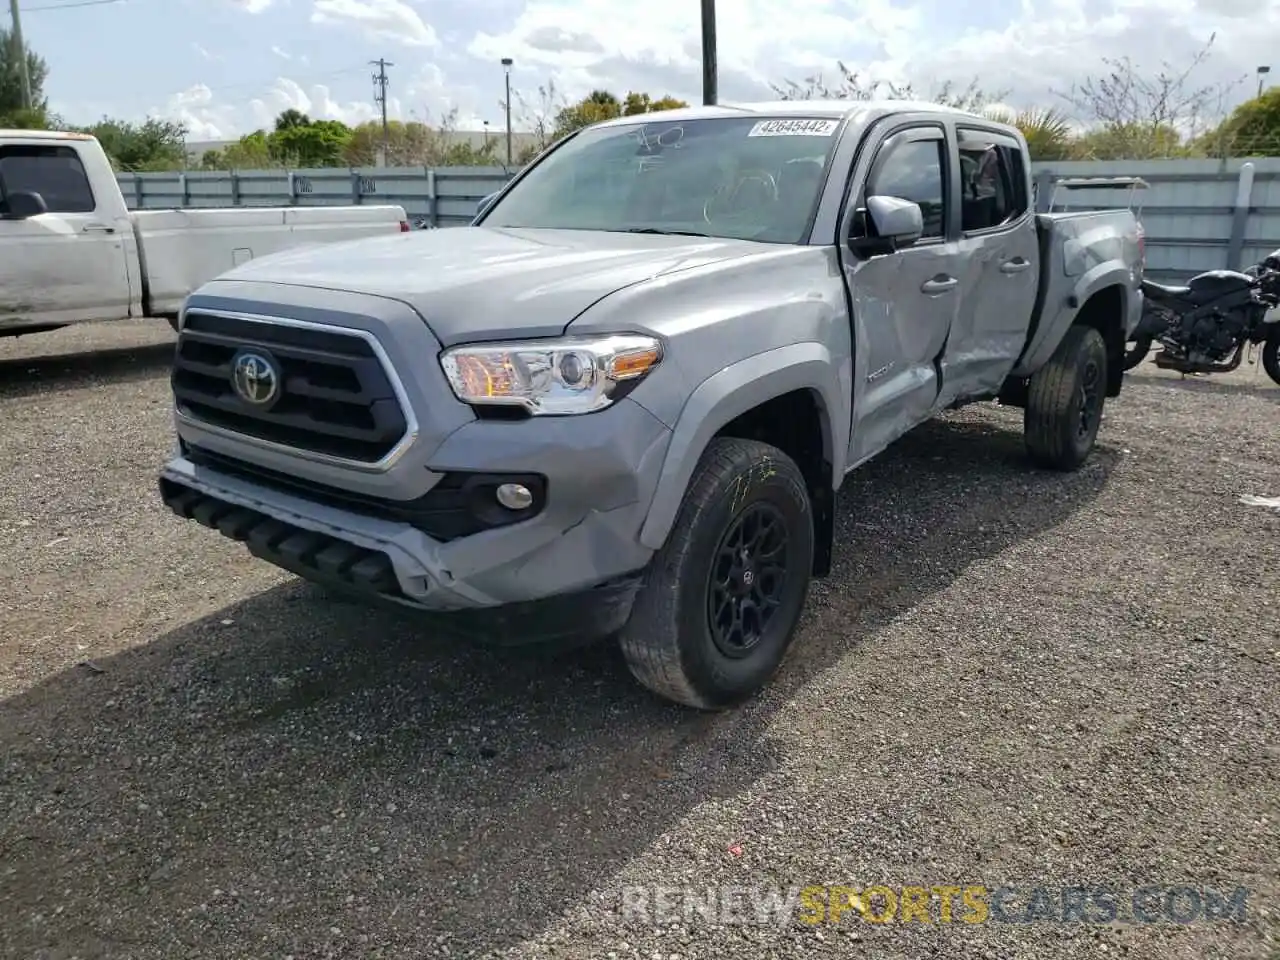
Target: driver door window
[(914, 170)]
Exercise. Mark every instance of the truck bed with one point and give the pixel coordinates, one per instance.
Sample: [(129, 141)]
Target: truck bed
[(1071, 246), (180, 249)]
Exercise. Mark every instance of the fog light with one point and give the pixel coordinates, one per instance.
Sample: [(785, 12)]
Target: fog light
[(515, 496)]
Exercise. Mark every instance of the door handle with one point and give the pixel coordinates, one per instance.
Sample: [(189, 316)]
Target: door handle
[(939, 284), (97, 228), (1016, 265)]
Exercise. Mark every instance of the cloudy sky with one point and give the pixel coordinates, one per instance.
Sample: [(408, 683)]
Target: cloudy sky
[(225, 67)]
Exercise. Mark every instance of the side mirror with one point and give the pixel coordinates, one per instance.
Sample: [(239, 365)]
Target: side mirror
[(888, 224), (24, 204), (486, 203)]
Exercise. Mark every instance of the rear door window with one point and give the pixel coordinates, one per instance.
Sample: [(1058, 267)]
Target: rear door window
[(993, 181)]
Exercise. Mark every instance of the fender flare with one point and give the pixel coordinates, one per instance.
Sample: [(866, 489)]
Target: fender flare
[(728, 394), (1050, 334)]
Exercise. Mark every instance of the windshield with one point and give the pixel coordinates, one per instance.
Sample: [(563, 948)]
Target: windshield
[(740, 177)]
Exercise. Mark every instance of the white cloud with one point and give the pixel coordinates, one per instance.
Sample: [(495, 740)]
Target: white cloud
[(431, 98), (581, 42), (204, 54), (253, 6), (1023, 49), (209, 118), (1044, 47), (426, 97), (391, 20), (1058, 43)]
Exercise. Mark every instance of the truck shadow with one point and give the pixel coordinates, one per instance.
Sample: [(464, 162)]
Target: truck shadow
[(22, 377), (292, 766)]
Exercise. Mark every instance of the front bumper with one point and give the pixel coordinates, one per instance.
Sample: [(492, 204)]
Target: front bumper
[(369, 564)]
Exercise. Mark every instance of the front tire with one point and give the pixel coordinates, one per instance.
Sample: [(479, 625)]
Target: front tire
[(1271, 354), (1065, 401), (722, 599)]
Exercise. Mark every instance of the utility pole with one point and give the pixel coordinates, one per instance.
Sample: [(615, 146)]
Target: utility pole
[(710, 93), (20, 51), (506, 65), (380, 98)]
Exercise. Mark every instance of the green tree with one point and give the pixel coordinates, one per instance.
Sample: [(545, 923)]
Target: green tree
[(296, 141), (250, 152), (408, 144), (1252, 129), (309, 143), (12, 112), (601, 105), (1144, 140), (133, 147), (290, 119), (1048, 132), (635, 103), (667, 103)]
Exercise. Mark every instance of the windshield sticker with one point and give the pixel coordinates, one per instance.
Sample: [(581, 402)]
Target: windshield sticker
[(794, 128)]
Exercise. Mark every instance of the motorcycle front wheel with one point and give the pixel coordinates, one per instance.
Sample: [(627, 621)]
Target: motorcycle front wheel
[(1271, 354), (1135, 351)]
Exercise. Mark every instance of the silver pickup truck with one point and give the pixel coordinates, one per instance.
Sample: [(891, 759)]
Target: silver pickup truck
[(620, 403)]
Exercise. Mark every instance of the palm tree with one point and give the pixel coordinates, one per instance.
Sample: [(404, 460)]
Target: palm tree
[(1048, 132)]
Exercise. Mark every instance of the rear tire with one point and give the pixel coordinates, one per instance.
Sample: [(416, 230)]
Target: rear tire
[(1065, 401), (1271, 354), (1136, 351), (722, 599)]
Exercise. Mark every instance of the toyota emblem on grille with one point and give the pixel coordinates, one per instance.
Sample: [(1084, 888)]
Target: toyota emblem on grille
[(255, 378)]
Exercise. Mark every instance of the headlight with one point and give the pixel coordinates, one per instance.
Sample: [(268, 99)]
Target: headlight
[(567, 376)]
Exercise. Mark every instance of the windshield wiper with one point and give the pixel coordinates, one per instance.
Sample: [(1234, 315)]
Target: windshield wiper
[(665, 233)]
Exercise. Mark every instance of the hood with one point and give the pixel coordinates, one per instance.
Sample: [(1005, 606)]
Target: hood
[(483, 283)]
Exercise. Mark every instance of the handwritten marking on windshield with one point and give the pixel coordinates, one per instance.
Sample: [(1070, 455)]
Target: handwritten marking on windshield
[(794, 128), (670, 137)]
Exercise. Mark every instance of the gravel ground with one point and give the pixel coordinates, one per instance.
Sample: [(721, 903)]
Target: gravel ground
[(1012, 678)]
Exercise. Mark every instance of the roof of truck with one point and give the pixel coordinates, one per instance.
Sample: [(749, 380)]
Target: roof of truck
[(801, 108), (43, 135)]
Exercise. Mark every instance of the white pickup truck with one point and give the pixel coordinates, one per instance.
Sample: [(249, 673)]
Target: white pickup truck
[(72, 251)]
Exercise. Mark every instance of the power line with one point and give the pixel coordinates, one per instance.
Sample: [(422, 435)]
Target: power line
[(70, 6)]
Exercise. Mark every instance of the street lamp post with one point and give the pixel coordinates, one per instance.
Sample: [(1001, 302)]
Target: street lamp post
[(506, 64), (1262, 72), (710, 91)]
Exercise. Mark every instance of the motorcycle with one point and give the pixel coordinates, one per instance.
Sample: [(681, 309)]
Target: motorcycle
[(1205, 326)]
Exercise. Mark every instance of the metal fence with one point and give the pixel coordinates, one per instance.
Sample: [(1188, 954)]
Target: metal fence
[(1198, 214), (435, 197)]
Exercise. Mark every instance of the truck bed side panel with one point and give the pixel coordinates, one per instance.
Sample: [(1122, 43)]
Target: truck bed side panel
[(182, 249), (1080, 254)]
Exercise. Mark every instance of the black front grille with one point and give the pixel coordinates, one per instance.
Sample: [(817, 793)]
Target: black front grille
[(459, 505), (335, 397)]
